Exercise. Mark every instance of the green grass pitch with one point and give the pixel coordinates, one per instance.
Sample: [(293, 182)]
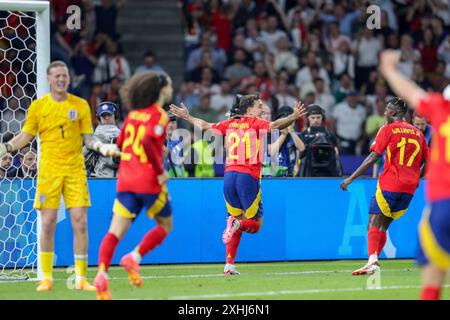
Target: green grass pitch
[(399, 279)]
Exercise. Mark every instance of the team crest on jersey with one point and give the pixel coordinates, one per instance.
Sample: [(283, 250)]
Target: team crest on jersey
[(73, 115)]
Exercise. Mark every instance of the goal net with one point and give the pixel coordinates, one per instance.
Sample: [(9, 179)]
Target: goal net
[(24, 55)]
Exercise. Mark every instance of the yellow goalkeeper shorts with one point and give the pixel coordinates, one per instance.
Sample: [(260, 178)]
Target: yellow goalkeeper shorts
[(74, 189)]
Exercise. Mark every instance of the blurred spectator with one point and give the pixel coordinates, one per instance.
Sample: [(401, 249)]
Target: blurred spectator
[(343, 60), (247, 10), (428, 47), (304, 76), (422, 124), (205, 62), (173, 160), (377, 120), (419, 76), (366, 50), (6, 168), (324, 98), (112, 64), (344, 87), (221, 102), (28, 168), (149, 64), (444, 54), (253, 41), (204, 110), (348, 119), (207, 82), (106, 16), (238, 70), (83, 64), (60, 48), (409, 55), (96, 97), (107, 131), (335, 38), (271, 35), (287, 146), (239, 44), (283, 96), (188, 94), (284, 58), (207, 44), (12, 117)]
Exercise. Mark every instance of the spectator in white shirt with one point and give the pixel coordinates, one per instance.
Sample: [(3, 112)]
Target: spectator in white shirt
[(272, 33), (285, 59), (408, 55), (111, 65), (283, 97), (343, 60), (323, 97), (366, 50), (304, 74), (348, 120), (335, 38)]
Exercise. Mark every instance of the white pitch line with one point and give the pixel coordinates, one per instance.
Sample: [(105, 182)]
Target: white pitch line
[(221, 274), (286, 292)]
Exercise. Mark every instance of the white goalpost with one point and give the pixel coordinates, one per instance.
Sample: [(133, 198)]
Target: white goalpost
[(24, 57)]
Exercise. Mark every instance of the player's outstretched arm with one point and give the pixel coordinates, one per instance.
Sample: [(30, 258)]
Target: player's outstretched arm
[(16, 143), (183, 113), (402, 86), (368, 162), (299, 111), (105, 149)]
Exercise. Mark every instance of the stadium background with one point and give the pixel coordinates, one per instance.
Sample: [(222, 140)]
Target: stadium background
[(302, 226)]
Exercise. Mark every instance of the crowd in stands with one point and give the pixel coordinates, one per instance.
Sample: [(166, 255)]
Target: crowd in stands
[(320, 52)]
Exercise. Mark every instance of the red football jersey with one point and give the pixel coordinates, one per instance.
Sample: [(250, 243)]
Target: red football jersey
[(437, 110), (143, 130), (243, 144), (405, 148)]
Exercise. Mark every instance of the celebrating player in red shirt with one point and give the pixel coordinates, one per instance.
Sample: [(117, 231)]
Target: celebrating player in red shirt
[(405, 148), (434, 229), (242, 189), (141, 182)]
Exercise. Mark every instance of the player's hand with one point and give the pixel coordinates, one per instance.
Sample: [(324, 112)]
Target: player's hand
[(346, 183), (109, 150), (180, 112), (389, 59), (3, 150), (299, 110), (163, 177)]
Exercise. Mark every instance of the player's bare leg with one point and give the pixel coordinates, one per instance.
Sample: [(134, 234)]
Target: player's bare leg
[(233, 232), (154, 237), (119, 226), (47, 243), (377, 227), (78, 217), (433, 279)]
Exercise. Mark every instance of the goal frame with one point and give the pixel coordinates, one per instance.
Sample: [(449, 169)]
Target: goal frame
[(42, 11)]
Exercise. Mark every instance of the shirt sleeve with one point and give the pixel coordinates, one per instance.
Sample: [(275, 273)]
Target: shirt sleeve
[(263, 124), (381, 141), (31, 122), (428, 103), (86, 119), (157, 128), (221, 126), (425, 149)]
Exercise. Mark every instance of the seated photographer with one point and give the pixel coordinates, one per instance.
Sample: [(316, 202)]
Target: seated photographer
[(321, 155), (107, 132), (286, 148)]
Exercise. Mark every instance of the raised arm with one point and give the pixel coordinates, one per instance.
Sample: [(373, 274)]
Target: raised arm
[(16, 143), (299, 111), (183, 113), (404, 88), (371, 159)]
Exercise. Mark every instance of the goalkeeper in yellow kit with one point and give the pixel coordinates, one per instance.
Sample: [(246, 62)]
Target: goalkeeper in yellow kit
[(62, 121)]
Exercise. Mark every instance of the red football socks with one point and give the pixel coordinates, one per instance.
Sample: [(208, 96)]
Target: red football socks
[(107, 248), (373, 240), (430, 293), (232, 246), (382, 242), (249, 225), (153, 238)]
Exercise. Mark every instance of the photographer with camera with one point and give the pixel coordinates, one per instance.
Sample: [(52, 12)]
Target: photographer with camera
[(107, 131), (321, 155)]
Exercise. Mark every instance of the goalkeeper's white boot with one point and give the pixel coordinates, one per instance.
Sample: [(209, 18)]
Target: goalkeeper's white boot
[(230, 270)]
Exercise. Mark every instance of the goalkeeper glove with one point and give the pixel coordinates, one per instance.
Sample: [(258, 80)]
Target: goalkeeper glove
[(107, 149)]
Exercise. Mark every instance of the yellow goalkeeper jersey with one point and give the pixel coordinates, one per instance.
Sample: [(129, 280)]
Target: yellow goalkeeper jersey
[(60, 126)]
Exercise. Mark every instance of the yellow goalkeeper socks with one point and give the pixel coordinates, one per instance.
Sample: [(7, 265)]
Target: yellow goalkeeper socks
[(47, 264), (81, 264)]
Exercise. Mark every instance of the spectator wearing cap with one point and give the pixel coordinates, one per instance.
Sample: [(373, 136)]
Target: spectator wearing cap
[(149, 64), (321, 155), (348, 120), (107, 132), (286, 147)]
